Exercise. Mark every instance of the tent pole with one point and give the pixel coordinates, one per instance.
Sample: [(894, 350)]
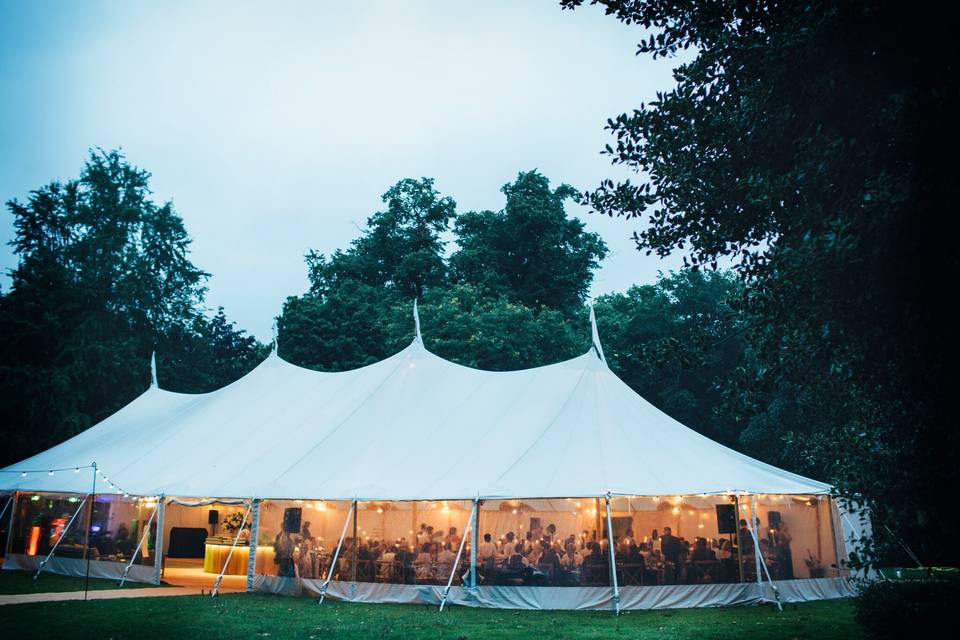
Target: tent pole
[(336, 554), (759, 557), (474, 544), (356, 544), (15, 499), (236, 538), (833, 535), (62, 534), (158, 541), (456, 562), (143, 536), (3, 512), (254, 536), (86, 533), (736, 502), (613, 559)]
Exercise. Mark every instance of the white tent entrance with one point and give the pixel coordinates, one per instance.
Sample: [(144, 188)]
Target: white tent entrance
[(360, 485)]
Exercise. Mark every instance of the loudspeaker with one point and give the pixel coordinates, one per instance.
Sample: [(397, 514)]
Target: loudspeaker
[(291, 519), (726, 518), (773, 519), (213, 516)]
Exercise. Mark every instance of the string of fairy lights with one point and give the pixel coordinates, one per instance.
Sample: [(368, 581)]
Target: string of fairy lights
[(114, 488)]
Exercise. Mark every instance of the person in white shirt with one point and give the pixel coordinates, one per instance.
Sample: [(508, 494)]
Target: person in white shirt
[(486, 549)]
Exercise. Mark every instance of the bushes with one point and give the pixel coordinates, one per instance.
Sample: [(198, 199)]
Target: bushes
[(901, 609)]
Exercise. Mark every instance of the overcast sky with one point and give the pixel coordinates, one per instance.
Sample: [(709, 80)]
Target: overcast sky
[(275, 126)]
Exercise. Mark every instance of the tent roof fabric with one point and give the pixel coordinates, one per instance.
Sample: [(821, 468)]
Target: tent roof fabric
[(411, 427)]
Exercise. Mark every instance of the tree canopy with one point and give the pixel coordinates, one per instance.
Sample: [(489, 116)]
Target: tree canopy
[(103, 278), (801, 144)]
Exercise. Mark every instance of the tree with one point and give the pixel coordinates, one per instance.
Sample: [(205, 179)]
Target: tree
[(530, 251), (801, 143), (103, 278), (401, 250), (676, 342)]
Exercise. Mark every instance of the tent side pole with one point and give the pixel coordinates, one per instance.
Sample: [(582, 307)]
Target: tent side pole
[(144, 534), (356, 543), (56, 544), (833, 535), (13, 510), (336, 553), (475, 542), (456, 562), (226, 563), (254, 536), (736, 502), (751, 525), (158, 541), (613, 558), (6, 506)]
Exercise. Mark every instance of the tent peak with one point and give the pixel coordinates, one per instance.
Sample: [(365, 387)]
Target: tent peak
[(416, 323), (153, 371), (595, 336)]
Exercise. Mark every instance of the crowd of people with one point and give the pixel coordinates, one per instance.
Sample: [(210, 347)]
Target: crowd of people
[(538, 557)]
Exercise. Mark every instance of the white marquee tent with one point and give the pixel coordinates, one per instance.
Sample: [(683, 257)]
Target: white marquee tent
[(416, 427)]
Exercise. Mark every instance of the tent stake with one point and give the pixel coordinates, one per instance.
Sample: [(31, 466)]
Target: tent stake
[(243, 523), (456, 562), (62, 535), (144, 536), (613, 559), (336, 554)]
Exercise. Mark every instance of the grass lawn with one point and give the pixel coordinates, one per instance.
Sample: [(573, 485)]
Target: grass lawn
[(265, 616), (12, 582)]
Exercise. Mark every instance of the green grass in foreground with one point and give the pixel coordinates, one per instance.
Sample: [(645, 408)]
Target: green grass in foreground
[(265, 616), (12, 582)]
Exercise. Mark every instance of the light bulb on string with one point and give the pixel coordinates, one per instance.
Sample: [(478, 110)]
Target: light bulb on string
[(50, 473), (23, 475)]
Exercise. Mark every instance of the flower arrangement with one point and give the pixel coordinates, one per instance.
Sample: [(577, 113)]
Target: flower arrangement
[(232, 522)]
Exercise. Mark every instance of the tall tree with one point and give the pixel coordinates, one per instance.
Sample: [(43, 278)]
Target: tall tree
[(531, 251), (801, 142), (103, 278)]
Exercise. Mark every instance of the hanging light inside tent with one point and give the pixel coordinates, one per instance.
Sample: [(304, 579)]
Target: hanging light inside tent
[(77, 470), (23, 475), (50, 473)]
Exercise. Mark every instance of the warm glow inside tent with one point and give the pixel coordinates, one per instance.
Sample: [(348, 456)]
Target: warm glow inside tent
[(368, 485)]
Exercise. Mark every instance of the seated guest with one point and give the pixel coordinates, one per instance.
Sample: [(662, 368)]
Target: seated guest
[(549, 556), (453, 538), (528, 543), (569, 560), (444, 563), (517, 560), (509, 542), (486, 549), (701, 552)]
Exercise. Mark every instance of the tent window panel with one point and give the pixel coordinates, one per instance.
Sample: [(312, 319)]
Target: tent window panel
[(297, 538), (542, 542), (412, 542), (797, 536), (41, 520), (117, 526)]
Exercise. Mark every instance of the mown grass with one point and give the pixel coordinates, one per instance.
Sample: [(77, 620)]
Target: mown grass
[(13, 582), (265, 616)]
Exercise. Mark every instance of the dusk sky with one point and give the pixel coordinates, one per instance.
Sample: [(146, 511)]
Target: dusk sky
[(275, 127)]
